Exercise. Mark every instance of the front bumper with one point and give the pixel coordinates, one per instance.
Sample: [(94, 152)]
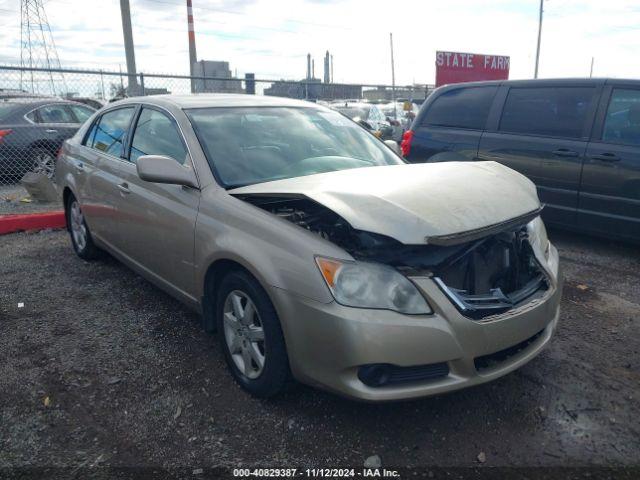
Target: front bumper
[(328, 343)]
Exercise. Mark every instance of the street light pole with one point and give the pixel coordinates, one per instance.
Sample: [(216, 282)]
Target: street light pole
[(535, 75), (393, 77)]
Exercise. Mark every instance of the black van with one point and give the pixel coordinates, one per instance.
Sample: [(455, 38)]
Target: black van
[(578, 140)]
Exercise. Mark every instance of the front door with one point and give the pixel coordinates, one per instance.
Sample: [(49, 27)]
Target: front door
[(156, 222), (610, 192)]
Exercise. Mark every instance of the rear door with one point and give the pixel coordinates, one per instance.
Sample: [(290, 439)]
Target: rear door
[(156, 222), (451, 126), (609, 201), (98, 171), (57, 122), (542, 132)]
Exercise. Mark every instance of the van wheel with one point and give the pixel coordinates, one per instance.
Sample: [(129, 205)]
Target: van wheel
[(251, 336), (79, 231)]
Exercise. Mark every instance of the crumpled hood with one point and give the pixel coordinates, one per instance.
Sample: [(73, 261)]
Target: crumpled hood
[(417, 202)]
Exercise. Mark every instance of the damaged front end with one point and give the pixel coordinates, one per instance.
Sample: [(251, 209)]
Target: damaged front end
[(482, 274)]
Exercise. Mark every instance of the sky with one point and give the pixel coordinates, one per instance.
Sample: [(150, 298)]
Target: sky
[(271, 38)]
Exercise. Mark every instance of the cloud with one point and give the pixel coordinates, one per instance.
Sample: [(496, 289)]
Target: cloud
[(272, 38)]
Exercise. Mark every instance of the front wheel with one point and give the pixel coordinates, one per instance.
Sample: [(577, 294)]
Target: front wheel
[(251, 336), (79, 231)]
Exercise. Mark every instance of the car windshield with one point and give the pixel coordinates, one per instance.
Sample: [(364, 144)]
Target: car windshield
[(259, 144), (354, 112)]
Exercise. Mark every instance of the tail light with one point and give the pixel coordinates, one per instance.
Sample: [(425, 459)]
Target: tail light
[(4, 133), (405, 145)]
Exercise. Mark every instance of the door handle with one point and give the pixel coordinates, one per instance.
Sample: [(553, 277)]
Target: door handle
[(124, 188), (563, 152), (80, 167), (51, 130), (606, 157)]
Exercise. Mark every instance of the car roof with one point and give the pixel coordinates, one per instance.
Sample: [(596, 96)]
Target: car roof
[(207, 100), (32, 102), (354, 105), (543, 82)]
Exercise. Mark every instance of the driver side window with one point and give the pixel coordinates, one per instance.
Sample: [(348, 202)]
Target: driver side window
[(157, 134)]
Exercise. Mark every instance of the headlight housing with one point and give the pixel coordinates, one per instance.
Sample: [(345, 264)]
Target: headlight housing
[(371, 285), (538, 239)]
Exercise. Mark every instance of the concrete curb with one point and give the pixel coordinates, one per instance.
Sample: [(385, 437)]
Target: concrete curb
[(31, 221)]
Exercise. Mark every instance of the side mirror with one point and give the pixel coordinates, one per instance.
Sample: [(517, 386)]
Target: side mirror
[(161, 169), (393, 145)]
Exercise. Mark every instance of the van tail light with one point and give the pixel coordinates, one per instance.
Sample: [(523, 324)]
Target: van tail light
[(4, 133), (405, 145)]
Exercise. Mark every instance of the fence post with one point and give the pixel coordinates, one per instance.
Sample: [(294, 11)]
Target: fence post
[(142, 83), (250, 83)]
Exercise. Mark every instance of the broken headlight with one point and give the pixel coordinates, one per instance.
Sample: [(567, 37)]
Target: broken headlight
[(538, 238), (371, 285)]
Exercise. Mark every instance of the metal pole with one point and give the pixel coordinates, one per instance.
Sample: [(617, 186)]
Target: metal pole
[(132, 87), (393, 79), (535, 74), (102, 84), (591, 71)]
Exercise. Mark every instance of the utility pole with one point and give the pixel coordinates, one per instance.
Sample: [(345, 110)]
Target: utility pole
[(132, 87), (535, 75), (591, 71), (393, 78)]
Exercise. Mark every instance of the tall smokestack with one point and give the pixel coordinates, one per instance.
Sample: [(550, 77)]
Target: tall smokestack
[(308, 66), (327, 73), (313, 69), (193, 57)]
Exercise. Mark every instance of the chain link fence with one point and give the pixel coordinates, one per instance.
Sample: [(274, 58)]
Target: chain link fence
[(41, 108)]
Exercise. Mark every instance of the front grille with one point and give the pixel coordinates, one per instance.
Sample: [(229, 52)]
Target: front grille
[(487, 362), (380, 374)]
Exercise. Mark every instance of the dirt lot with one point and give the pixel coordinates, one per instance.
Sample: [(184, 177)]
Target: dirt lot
[(101, 368)]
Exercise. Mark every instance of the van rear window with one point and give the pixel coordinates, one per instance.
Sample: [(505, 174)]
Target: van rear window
[(461, 108)]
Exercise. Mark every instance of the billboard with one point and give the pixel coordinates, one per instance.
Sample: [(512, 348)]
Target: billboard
[(457, 67)]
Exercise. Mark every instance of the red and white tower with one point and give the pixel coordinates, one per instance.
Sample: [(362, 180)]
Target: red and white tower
[(193, 58)]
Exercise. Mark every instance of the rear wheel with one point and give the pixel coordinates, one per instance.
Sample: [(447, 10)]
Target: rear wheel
[(43, 161), (251, 336), (79, 231)]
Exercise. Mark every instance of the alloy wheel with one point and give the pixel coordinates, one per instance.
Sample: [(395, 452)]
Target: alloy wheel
[(44, 163), (78, 226), (244, 334)]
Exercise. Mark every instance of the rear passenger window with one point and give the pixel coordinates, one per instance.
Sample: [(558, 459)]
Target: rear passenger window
[(54, 114), (157, 134), (548, 111), (622, 124), (107, 134), (461, 108)]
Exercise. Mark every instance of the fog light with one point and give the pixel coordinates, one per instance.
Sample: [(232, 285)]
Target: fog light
[(375, 375)]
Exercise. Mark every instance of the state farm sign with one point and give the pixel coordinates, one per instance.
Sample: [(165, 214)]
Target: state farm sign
[(457, 67)]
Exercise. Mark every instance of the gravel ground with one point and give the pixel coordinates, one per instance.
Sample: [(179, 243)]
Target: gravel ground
[(101, 368), (14, 199)]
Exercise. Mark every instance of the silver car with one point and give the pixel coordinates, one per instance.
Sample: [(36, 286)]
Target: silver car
[(312, 248)]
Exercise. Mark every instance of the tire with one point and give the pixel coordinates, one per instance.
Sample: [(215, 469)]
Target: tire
[(43, 161), (79, 231), (240, 340)]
